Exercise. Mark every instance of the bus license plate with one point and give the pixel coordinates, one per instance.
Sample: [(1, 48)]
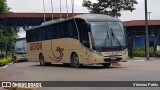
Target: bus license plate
[(113, 58)]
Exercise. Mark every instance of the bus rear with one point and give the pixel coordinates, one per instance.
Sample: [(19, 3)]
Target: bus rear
[(20, 49)]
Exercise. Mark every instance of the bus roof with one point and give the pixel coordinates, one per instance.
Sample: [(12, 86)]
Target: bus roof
[(87, 17), (97, 17)]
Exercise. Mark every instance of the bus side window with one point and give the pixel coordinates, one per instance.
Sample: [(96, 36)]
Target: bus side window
[(57, 31), (34, 35), (69, 30), (85, 37), (28, 36), (83, 32), (62, 30), (42, 34), (74, 30), (65, 29)]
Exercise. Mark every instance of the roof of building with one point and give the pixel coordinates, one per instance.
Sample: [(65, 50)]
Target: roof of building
[(34, 15), (141, 23), (29, 19)]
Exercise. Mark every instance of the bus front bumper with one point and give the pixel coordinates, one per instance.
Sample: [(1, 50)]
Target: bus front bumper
[(96, 59)]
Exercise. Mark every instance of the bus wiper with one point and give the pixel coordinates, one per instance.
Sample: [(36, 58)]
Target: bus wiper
[(107, 37), (114, 37)]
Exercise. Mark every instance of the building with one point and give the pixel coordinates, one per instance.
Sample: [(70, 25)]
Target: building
[(136, 33)]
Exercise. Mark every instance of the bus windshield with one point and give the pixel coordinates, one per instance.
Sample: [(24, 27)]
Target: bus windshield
[(107, 35), (20, 47)]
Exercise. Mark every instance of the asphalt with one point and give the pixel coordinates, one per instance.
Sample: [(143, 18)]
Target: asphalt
[(136, 69)]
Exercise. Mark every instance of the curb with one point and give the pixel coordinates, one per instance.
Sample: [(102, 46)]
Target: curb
[(143, 60), (3, 67), (139, 60)]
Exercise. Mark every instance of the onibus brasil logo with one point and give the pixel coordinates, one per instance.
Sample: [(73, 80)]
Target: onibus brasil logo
[(21, 84)]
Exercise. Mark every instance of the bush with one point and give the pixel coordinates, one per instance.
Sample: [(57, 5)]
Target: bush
[(5, 61), (140, 52), (157, 53)]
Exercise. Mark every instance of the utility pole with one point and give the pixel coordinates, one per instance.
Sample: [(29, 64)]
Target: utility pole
[(146, 30)]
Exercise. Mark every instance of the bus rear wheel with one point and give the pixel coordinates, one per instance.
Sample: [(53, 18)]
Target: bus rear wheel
[(75, 61), (41, 60), (106, 65)]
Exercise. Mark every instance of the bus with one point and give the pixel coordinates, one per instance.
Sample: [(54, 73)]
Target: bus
[(84, 39), (20, 49)]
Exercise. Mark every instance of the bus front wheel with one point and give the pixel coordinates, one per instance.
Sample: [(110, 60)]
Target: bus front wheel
[(106, 65), (75, 61), (41, 60)]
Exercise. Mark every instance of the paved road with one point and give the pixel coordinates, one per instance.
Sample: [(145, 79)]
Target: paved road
[(129, 71)]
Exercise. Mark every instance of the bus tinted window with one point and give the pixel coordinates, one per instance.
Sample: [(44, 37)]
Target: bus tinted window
[(48, 32), (41, 33), (54, 31)]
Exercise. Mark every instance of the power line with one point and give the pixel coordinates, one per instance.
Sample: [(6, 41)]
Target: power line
[(60, 10), (72, 2), (67, 7), (44, 11)]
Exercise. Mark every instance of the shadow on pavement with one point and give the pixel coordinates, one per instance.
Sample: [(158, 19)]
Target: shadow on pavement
[(21, 61), (82, 67)]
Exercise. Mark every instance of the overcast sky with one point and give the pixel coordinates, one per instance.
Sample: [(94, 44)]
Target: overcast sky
[(37, 6)]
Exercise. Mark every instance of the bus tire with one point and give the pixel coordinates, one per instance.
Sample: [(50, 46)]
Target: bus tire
[(41, 60), (106, 65), (75, 61)]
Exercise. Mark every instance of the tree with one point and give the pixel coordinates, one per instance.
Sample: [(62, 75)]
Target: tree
[(109, 7), (3, 6), (3, 9), (7, 34)]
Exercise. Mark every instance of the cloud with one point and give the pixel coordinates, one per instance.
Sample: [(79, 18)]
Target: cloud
[(37, 6), (139, 13)]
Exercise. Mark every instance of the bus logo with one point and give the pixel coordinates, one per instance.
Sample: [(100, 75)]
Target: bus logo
[(36, 46), (57, 58)]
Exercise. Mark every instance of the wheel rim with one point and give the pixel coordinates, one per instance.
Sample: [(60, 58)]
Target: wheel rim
[(76, 61)]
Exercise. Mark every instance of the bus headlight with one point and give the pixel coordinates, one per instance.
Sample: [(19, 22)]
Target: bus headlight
[(124, 52), (99, 53)]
